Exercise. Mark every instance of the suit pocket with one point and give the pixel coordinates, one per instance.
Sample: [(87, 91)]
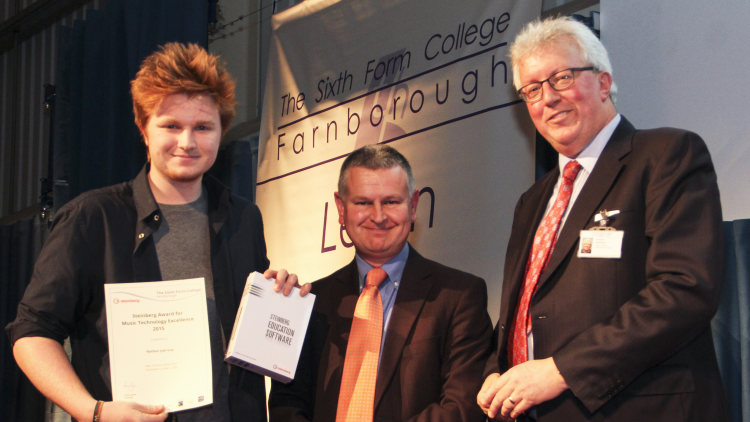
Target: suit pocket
[(662, 379), (664, 393), (619, 221), (427, 345), (420, 375), (624, 218)]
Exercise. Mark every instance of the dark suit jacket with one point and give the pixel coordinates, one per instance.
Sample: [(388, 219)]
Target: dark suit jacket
[(435, 349), (631, 336)]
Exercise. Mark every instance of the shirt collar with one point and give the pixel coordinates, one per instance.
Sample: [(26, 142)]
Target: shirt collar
[(394, 268), (145, 204), (219, 198), (588, 157)]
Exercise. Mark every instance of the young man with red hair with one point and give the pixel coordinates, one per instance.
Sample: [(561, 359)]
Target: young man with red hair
[(170, 222)]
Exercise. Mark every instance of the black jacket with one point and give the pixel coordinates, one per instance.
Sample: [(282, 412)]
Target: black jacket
[(105, 236)]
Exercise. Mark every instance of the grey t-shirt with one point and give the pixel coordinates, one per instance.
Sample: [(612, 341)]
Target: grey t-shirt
[(183, 246)]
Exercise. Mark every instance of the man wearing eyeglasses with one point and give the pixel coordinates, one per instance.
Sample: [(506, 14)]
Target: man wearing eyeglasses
[(620, 331)]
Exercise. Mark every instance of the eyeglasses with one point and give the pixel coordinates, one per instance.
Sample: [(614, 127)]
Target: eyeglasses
[(561, 80)]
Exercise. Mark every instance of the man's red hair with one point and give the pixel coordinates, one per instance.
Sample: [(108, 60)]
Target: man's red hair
[(182, 69)]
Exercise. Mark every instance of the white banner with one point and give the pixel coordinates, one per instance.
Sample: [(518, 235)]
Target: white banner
[(431, 79)]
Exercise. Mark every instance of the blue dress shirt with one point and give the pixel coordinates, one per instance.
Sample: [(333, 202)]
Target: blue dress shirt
[(389, 288)]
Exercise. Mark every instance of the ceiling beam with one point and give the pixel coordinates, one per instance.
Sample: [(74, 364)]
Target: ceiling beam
[(568, 8), (38, 16)]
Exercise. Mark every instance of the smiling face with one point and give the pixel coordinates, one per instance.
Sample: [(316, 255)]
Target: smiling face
[(182, 137), (377, 211), (568, 119)]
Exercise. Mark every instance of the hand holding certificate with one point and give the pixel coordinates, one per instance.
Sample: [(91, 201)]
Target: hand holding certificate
[(159, 348)]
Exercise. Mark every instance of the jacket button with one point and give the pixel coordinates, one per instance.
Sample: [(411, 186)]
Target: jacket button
[(141, 236)]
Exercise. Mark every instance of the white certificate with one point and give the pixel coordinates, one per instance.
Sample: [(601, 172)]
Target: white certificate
[(159, 348)]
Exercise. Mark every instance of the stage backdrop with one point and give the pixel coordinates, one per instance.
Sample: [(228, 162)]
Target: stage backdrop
[(431, 79)]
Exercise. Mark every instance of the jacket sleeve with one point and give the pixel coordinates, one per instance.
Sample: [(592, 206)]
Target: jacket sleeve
[(55, 297)]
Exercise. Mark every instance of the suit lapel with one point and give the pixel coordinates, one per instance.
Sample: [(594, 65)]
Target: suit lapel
[(599, 183), (346, 295), (523, 235), (412, 292)]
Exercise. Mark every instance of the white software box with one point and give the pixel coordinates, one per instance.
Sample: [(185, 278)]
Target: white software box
[(269, 330)]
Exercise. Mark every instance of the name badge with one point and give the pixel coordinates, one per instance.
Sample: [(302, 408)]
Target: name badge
[(601, 241), (600, 244)]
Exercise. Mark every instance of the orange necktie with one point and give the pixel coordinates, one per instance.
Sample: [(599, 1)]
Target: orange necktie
[(544, 243), (357, 394)]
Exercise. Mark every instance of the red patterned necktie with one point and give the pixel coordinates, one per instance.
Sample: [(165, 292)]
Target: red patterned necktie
[(357, 393), (544, 242)]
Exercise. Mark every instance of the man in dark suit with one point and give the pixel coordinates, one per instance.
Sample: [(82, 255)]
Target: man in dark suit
[(435, 328), (593, 336)]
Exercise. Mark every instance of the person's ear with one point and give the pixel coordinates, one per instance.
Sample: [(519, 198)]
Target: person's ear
[(340, 207), (605, 84)]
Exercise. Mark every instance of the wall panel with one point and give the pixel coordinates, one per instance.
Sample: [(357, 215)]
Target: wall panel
[(24, 120)]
